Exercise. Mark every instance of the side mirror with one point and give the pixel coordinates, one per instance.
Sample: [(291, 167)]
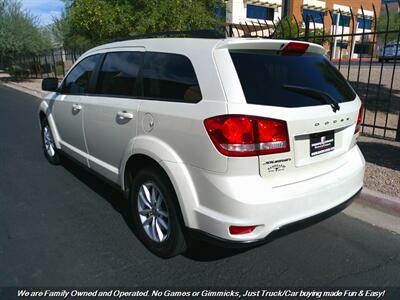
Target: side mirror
[(50, 84)]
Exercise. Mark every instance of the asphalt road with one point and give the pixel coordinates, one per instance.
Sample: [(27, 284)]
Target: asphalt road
[(61, 226)]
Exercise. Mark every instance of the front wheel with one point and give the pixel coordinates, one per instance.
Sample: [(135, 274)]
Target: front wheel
[(155, 213), (49, 147)]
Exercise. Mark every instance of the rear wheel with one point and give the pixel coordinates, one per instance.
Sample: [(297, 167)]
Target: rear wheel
[(155, 213), (49, 147)]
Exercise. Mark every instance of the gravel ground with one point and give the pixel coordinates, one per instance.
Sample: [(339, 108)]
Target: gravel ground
[(383, 165)]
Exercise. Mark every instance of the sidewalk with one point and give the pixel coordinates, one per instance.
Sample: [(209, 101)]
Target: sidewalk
[(30, 86), (382, 176)]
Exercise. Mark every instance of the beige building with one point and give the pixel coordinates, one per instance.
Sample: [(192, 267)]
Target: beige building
[(260, 17)]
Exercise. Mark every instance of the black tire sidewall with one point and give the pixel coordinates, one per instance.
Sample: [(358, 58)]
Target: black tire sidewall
[(175, 242), (56, 159)]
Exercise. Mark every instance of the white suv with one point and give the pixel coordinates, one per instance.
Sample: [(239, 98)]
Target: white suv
[(230, 139)]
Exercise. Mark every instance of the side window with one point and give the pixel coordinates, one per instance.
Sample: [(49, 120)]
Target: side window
[(77, 81), (119, 74), (170, 77)]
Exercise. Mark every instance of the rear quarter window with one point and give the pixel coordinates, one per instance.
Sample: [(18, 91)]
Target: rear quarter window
[(170, 77), (263, 75)]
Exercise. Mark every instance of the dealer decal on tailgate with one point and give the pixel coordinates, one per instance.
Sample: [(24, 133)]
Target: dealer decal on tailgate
[(322, 142)]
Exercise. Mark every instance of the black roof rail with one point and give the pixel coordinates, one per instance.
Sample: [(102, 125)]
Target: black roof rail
[(200, 33)]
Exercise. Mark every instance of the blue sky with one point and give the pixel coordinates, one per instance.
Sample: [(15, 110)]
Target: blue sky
[(45, 10)]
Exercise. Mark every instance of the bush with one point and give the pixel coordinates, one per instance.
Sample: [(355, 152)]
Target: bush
[(59, 68), (18, 71)]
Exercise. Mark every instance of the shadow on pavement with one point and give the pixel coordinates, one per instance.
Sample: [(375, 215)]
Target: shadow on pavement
[(381, 154), (198, 250), (4, 77), (201, 251), (378, 97), (101, 187)]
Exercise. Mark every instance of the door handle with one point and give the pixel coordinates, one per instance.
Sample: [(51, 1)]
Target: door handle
[(125, 115), (76, 107)]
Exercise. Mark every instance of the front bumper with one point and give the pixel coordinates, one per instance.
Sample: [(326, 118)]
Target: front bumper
[(247, 200)]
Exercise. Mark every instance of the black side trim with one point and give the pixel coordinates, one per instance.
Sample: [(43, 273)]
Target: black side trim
[(286, 229)]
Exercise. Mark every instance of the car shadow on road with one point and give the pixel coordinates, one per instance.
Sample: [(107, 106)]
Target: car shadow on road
[(204, 252), (198, 250), (102, 187), (381, 154)]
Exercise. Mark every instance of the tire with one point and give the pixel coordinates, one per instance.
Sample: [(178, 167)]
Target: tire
[(49, 148), (158, 222)]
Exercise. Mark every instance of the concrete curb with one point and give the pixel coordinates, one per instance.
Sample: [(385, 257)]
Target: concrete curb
[(382, 202), (33, 92)]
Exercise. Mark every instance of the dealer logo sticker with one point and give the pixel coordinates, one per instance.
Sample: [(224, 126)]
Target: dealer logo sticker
[(277, 161), (276, 168)]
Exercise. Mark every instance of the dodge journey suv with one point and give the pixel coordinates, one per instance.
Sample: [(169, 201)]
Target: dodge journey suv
[(229, 139)]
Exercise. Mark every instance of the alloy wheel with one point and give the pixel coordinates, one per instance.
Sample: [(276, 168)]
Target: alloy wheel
[(153, 212), (48, 141)]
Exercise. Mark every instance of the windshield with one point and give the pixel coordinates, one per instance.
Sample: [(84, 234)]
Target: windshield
[(264, 74)]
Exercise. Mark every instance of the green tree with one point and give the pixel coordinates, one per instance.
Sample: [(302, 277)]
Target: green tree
[(19, 32), (91, 22), (164, 15), (392, 20)]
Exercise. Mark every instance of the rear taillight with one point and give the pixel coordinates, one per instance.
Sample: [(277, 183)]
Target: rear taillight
[(359, 120), (241, 229), (242, 135), (295, 48)]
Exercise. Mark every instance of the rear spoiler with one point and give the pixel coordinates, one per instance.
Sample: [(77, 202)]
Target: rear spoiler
[(263, 44)]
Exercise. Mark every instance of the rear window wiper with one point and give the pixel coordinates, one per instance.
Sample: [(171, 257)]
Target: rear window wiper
[(316, 94)]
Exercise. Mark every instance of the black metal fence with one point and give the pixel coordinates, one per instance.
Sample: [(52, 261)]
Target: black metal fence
[(364, 47), (53, 63)]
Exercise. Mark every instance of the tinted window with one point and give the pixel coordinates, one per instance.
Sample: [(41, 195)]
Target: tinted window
[(364, 23), (118, 74), (264, 75), (343, 20), (170, 77), (259, 12), (313, 15), (77, 81)]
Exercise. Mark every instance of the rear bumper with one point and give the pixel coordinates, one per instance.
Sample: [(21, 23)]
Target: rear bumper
[(291, 227), (248, 200)]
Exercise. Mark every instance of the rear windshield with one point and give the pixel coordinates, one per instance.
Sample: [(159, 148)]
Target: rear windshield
[(264, 74)]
